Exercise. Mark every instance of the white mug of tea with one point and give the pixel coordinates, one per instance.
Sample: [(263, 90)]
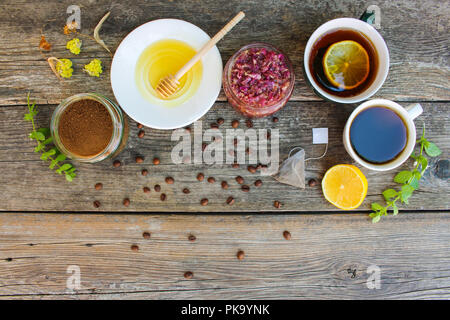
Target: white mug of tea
[(380, 134), (346, 60)]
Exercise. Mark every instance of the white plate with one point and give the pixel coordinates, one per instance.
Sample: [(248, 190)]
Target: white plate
[(123, 75)]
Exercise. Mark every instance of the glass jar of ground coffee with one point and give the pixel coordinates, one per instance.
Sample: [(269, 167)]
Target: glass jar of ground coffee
[(89, 127)]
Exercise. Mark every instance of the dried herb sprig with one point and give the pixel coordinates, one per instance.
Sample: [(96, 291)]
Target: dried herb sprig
[(408, 179), (44, 139)]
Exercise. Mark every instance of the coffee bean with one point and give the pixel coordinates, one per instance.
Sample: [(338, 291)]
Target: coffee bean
[(251, 169), (169, 180), (268, 135), (139, 159), (235, 124), (144, 172), (235, 165), (156, 161), (116, 163), (188, 275), (275, 119), (140, 126), (163, 197), (200, 177), (146, 189), (259, 166), (135, 247), (224, 185), (157, 188), (287, 235), (258, 183), (126, 202), (146, 235), (312, 182), (98, 186), (249, 123), (230, 200), (277, 204), (214, 126), (204, 202), (186, 191), (245, 188), (239, 180), (191, 238), (141, 133), (96, 204), (240, 255), (220, 121), (211, 180)]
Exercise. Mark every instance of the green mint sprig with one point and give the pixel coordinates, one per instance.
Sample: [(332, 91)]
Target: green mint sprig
[(43, 138), (408, 179)]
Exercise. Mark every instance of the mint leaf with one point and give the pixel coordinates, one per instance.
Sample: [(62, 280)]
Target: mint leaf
[(395, 209), (403, 176), (376, 219), (432, 149), (406, 192), (376, 207), (423, 163), (389, 194)]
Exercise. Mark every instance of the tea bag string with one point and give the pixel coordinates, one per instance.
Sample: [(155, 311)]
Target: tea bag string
[(317, 158)]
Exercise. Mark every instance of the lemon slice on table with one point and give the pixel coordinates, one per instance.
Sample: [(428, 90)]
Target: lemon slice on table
[(344, 186), (346, 64)]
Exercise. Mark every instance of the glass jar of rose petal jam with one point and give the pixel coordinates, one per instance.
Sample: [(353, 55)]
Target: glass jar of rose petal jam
[(258, 80)]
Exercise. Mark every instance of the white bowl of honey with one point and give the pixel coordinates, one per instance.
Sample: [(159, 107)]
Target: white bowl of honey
[(154, 50)]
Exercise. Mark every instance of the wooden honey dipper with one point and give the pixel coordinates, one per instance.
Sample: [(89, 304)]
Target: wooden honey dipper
[(168, 85)]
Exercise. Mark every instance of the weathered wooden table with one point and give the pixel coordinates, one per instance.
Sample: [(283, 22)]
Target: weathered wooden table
[(47, 224)]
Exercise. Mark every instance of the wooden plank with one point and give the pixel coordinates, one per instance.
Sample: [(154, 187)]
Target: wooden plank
[(327, 256), (27, 184), (418, 45)]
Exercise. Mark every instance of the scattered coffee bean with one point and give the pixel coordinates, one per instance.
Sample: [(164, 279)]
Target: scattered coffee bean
[(230, 200), (200, 177), (146, 189), (277, 204), (186, 191), (240, 255), (141, 133), (275, 119), (211, 180), (192, 238), (98, 186), (224, 185), (140, 126), (235, 124), (312, 182), (239, 180), (96, 204), (144, 172), (146, 235), (188, 275), (135, 247), (268, 135), (116, 163), (157, 188), (287, 235), (220, 121), (214, 126), (126, 202), (156, 161), (258, 183), (245, 188), (251, 169), (204, 202), (169, 180), (235, 165), (163, 197), (139, 159), (259, 166), (249, 123)]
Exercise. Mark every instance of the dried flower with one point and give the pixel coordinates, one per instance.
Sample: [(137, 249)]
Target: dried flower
[(44, 45), (60, 67), (94, 68), (74, 45), (97, 30), (69, 28)]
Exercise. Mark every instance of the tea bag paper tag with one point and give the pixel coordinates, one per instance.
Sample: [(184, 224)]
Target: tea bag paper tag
[(320, 135)]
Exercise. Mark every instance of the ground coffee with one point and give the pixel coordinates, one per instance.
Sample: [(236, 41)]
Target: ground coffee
[(85, 128)]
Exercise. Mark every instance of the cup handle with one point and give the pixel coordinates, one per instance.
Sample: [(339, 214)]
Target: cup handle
[(414, 110)]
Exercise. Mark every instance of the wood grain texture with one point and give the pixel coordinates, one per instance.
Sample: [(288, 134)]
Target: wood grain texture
[(327, 256), (27, 184), (416, 33)]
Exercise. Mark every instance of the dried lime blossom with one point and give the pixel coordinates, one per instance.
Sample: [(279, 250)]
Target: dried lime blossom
[(64, 68), (94, 68), (74, 45)]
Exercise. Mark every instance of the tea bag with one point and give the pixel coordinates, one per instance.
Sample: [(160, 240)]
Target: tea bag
[(292, 170)]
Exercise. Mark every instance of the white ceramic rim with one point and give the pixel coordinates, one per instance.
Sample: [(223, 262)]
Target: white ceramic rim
[(123, 75), (377, 41), (410, 127)]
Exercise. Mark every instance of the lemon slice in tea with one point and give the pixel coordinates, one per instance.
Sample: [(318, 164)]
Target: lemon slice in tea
[(346, 64)]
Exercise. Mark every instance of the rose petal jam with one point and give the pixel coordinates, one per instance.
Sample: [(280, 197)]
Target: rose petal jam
[(258, 80)]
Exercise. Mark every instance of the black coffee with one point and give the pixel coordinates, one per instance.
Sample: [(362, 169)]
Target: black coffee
[(378, 135)]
